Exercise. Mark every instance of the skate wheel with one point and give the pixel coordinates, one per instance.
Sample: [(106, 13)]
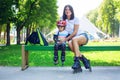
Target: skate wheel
[(62, 63), (77, 70), (55, 63), (90, 69)]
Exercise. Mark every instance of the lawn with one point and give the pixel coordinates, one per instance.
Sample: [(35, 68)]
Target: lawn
[(11, 56)]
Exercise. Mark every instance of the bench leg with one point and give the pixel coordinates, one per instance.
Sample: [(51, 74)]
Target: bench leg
[(24, 58)]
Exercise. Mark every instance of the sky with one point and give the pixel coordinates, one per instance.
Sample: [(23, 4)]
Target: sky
[(81, 7)]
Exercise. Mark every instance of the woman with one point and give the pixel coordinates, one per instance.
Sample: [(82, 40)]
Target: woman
[(77, 37)]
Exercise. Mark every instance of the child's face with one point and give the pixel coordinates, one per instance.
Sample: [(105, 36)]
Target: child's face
[(61, 28)]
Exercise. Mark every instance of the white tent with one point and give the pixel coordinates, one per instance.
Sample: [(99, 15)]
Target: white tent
[(88, 27)]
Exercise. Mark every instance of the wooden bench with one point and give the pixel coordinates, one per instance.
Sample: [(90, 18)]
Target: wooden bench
[(27, 48)]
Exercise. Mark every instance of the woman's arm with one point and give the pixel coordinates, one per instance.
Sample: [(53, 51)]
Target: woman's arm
[(76, 27)]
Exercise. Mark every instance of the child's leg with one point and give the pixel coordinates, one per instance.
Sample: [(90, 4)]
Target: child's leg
[(56, 53), (63, 47)]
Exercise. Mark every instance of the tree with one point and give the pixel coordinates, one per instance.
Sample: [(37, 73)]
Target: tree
[(108, 11), (34, 13), (108, 16), (117, 5), (29, 14), (6, 16), (92, 16)]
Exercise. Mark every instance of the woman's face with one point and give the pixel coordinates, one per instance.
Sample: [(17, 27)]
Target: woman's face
[(68, 11)]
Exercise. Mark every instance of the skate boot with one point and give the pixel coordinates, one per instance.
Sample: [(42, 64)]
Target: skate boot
[(76, 66), (55, 60), (86, 62), (56, 54)]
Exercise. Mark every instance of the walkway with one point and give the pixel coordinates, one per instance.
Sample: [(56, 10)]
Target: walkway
[(59, 73)]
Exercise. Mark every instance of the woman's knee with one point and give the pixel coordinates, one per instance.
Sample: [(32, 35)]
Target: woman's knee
[(82, 40), (79, 40), (75, 40)]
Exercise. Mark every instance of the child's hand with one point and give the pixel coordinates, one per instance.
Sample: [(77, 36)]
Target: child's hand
[(63, 40)]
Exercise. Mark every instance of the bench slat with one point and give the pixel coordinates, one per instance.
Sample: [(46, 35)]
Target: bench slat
[(82, 48)]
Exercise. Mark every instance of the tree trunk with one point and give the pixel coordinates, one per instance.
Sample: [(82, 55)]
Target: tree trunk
[(0, 35), (8, 34), (18, 35), (4, 37), (27, 32)]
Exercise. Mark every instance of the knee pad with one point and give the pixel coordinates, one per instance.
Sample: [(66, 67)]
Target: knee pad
[(56, 47), (63, 47)]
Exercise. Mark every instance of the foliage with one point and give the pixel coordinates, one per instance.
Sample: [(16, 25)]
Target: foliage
[(28, 13), (37, 13), (117, 5), (6, 16), (108, 16), (93, 16), (5, 11)]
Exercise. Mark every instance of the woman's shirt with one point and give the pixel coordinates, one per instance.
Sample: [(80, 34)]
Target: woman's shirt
[(70, 26)]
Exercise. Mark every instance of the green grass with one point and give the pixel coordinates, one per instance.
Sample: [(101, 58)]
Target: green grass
[(11, 56)]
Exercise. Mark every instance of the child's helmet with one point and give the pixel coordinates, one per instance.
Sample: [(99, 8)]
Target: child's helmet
[(61, 23)]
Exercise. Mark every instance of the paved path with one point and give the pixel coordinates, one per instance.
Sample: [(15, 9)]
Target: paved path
[(59, 73)]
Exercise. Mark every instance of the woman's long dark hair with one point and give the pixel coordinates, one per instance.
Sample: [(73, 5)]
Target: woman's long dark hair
[(71, 9)]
